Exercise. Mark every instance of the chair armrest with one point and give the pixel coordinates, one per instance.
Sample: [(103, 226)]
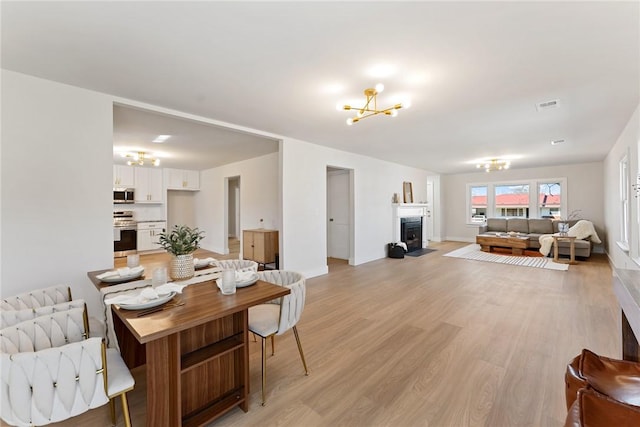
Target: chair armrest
[(483, 229)]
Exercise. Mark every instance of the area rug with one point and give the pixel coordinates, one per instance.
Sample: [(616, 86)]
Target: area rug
[(419, 252), (473, 252)]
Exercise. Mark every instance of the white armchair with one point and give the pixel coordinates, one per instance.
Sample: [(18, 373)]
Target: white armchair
[(278, 316), (50, 372)]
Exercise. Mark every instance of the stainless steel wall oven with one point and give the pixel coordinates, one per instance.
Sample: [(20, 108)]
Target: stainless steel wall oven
[(125, 234)]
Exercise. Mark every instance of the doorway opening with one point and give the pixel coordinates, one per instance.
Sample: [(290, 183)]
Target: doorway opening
[(232, 215), (340, 213)]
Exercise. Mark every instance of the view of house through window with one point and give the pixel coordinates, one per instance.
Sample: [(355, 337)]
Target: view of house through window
[(512, 200), (535, 198), (478, 203), (549, 199)]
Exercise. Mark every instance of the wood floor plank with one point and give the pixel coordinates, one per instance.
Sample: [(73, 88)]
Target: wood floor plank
[(428, 341)]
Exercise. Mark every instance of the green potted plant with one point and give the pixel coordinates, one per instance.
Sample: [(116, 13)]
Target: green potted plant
[(181, 242)]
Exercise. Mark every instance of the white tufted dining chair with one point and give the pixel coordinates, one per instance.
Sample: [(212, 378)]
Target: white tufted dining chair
[(46, 297), (50, 371), (37, 298), (11, 317), (278, 316), (238, 264)]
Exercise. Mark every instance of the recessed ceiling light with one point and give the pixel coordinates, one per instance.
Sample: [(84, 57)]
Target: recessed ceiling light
[(557, 141), (161, 138)]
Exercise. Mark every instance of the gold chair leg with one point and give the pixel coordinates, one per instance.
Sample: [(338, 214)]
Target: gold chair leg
[(112, 410), (304, 363), (264, 369), (273, 345), (125, 410)]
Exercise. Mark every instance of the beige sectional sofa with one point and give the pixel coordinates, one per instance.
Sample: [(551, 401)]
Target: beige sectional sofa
[(534, 228)]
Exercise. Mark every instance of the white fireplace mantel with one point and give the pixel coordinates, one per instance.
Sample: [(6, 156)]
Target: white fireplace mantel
[(403, 210)]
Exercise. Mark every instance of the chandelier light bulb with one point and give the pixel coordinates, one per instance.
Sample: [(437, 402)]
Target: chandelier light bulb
[(379, 87), (394, 112), (349, 121), (406, 104)]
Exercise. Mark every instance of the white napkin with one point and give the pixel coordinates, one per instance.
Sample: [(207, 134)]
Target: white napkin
[(145, 295), (206, 261), (120, 272), (243, 276)]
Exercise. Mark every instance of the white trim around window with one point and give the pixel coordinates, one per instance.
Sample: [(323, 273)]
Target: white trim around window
[(534, 208)]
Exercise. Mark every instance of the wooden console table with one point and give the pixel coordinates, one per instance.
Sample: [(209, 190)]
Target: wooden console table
[(196, 355)]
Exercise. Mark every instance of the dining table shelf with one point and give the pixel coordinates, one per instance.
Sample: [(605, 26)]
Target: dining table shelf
[(202, 355)]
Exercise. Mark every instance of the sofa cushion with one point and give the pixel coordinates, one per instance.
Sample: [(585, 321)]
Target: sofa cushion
[(497, 224), (540, 226), (519, 225)]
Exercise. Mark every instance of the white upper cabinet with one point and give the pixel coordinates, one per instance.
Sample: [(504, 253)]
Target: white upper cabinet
[(148, 185), (181, 179), (123, 176)]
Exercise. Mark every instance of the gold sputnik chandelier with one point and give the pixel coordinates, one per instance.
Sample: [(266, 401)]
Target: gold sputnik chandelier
[(494, 165), (139, 158), (370, 107)]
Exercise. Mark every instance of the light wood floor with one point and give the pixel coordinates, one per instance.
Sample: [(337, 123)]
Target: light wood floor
[(428, 341)]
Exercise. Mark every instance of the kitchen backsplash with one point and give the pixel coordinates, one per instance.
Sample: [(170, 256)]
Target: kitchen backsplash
[(144, 212)]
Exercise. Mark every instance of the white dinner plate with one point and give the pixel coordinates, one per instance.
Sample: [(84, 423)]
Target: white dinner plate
[(253, 279), (248, 282), (150, 303), (118, 279)]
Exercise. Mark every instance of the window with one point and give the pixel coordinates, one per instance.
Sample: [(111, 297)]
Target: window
[(624, 204), (535, 198), (549, 199), (478, 203), (512, 201)]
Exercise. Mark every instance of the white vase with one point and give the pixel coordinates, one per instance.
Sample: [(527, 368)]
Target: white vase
[(181, 267)]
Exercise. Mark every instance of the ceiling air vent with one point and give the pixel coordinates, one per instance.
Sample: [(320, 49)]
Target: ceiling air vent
[(547, 105)]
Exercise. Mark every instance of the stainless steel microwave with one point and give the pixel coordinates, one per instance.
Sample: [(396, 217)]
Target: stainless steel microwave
[(123, 195)]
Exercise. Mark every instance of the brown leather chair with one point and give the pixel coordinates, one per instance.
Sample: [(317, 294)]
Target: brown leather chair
[(593, 409), (601, 391), (618, 379)]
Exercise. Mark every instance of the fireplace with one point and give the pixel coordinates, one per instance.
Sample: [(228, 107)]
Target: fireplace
[(411, 232)]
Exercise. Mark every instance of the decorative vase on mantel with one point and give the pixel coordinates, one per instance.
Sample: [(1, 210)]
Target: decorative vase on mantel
[(181, 267)]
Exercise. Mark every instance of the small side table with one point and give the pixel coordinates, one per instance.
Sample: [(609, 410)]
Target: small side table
[(572, 249)]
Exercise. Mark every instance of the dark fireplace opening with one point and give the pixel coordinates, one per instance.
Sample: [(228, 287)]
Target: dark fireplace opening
[(411, 232)]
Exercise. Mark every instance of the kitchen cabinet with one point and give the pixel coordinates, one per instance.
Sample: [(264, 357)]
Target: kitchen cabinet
[(148, 185), (148, 234), (123, 176), (182, 179), (260, 245)]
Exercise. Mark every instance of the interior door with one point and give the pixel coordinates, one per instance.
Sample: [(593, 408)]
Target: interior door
[(429, 219), (338, 214)]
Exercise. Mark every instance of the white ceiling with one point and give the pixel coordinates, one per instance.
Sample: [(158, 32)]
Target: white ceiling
[(473, 71)]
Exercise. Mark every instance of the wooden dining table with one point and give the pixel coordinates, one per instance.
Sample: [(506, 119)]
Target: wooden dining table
[(196, 354)]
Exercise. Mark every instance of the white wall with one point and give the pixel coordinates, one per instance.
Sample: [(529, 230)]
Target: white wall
[(259, 197), (57, 146), (304, 176), (585, 191), (627, 143), (181, 208), (57, 141)]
